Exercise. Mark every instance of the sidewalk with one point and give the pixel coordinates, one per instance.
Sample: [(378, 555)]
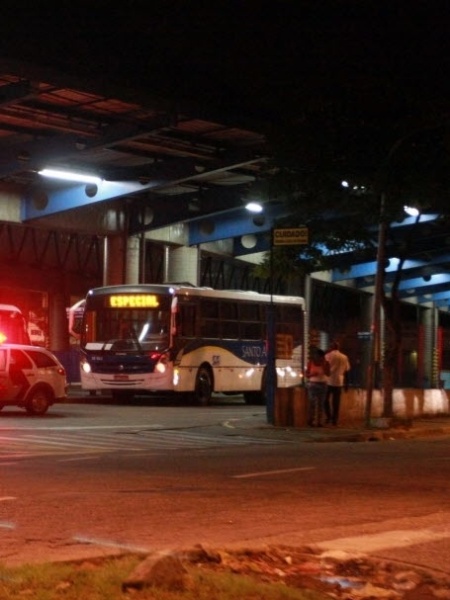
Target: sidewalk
[(380, 429), (257, 424)]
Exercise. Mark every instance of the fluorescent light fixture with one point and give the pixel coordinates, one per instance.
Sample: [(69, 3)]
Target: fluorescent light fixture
[(70, 176), (412, 211), (254, 207)]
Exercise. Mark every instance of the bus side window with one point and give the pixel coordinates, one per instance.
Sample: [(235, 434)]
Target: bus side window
[(209, 320), (229, 319), (251, 331), (252, 325), (186, 321)]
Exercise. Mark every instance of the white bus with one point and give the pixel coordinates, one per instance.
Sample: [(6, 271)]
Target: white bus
[(13, 325), (189, 340)]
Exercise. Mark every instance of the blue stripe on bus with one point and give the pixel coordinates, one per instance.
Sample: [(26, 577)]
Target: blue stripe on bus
[(252, 352)]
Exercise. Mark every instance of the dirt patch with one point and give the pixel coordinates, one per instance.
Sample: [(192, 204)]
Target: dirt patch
[(339, 575)]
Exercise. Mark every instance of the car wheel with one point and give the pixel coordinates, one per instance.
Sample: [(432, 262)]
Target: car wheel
[(203, 386), (38, 402)]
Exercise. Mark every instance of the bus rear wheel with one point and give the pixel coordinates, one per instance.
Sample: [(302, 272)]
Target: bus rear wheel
[(203, 386)]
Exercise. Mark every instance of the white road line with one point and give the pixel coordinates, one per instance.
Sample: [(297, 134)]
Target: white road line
[(78, 458), (138, 427), (277, 472), (400, 538), (109, 544), (144, 440), (6, 498)]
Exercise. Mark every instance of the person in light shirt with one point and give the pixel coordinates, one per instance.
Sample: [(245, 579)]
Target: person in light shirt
[(339, 366)]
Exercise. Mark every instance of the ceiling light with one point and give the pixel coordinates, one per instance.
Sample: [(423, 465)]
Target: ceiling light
[(70, 176), (254, 207), (412, 211)]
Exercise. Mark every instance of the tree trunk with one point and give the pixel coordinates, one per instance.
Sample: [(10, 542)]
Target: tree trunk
[(393, 348)]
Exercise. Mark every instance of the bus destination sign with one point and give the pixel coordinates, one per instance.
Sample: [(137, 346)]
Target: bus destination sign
[(290, 236), (133, 301)]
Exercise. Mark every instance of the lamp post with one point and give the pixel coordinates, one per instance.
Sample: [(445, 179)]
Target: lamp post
[(375, 348), (271, 374)]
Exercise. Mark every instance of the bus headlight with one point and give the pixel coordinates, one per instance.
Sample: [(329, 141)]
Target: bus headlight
[(160, 367), (86, 367)]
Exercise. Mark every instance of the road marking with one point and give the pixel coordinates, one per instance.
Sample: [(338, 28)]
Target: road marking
[(144, 440), (400, 538), (109, 544), (78, 458), (277, 472), (83, 427), (5, 498)]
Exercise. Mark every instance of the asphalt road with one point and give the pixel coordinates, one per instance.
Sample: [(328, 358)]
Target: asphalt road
[(90, 479)]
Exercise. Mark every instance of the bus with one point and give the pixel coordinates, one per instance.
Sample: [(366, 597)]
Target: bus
[(13, 325), (189, 340)]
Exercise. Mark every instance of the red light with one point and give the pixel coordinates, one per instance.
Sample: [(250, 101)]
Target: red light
[(3, 338)]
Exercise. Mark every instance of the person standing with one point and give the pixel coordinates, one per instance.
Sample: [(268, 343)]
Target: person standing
[(339, 366), (316, 372)]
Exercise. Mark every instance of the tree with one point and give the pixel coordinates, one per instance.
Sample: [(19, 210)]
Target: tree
[(410, 165)]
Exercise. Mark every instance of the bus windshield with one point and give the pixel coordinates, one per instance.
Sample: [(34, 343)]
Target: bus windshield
[(127, 328)]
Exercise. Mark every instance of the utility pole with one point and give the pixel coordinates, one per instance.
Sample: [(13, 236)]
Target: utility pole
[(375, 348)]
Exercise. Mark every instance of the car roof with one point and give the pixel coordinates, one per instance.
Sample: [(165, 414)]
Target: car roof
[(27, 347)]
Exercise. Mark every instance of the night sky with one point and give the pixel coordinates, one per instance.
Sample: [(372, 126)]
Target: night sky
[(286, 52), (360, 67)]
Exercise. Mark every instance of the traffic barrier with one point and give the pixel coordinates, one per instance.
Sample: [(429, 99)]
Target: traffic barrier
[(290, 407)]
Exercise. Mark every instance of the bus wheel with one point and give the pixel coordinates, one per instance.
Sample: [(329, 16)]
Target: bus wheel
[(38, 402), (203, 386)]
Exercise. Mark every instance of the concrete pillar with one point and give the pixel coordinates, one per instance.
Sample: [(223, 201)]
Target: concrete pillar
[(114, 260), (425, 353), (58, 324), (308, 292), (132, 259), (182, 265), (166, 273)]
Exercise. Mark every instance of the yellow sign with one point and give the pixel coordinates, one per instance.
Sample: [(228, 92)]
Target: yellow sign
[(290, 236), (134, 301)]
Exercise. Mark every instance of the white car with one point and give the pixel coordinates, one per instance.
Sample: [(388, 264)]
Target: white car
[(31, 377)]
